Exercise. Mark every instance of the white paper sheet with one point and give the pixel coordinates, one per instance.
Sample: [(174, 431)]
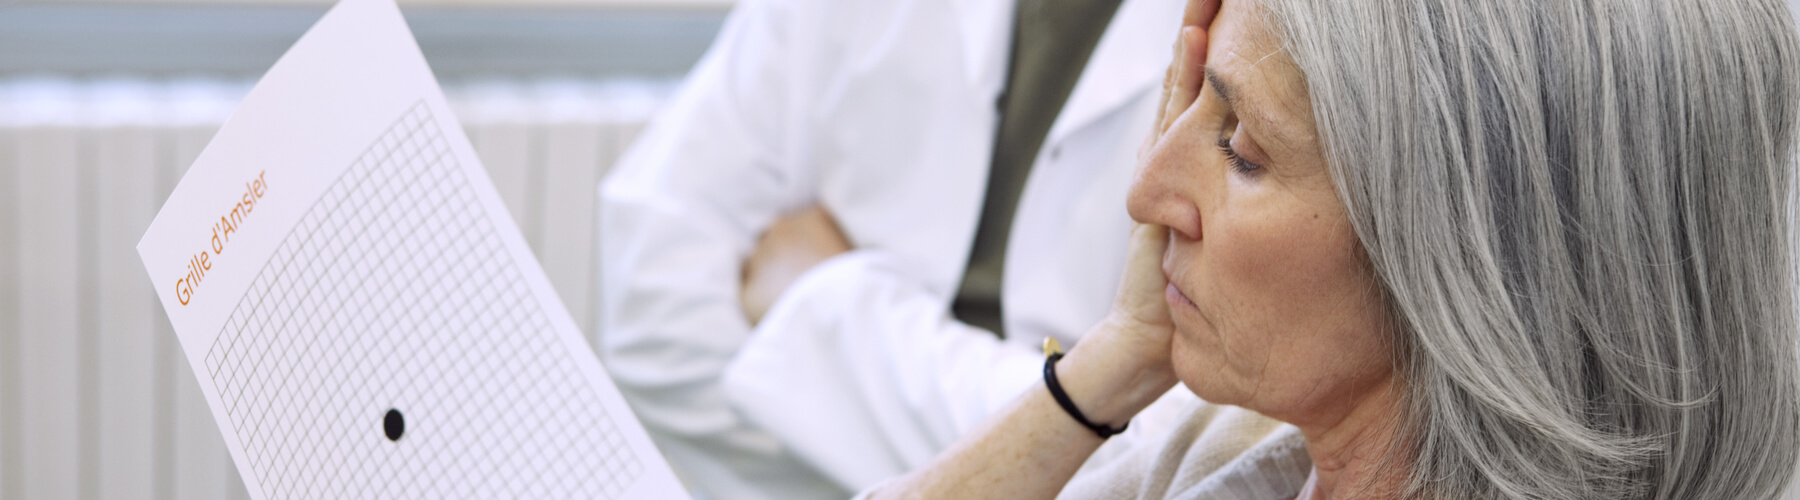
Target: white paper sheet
[(337, 262)]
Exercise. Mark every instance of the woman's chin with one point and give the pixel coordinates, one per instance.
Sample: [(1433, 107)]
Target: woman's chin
[(1198, 369)]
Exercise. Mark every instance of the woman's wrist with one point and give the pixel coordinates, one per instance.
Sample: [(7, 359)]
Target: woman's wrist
[(1114, 373)]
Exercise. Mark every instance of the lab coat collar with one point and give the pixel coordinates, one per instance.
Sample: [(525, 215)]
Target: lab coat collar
[(1132, 57), (986, 27)]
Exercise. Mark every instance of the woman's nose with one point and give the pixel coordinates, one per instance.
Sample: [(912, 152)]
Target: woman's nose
[(1157, 197)]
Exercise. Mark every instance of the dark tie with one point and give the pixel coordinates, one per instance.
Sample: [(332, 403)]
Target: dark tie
[(1052, 40)]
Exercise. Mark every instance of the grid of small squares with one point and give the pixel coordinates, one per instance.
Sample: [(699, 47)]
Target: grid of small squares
[(395, 291)]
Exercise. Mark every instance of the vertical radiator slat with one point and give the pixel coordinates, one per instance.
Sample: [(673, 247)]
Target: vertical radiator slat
[(87, 323), (126, 350), (618, 139), (49, 340), (574, 155), (203, 468), (505, 149), (10, 188), (167, 348)]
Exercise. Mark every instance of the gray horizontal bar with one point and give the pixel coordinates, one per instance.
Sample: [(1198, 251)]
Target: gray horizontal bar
[(244, 40)]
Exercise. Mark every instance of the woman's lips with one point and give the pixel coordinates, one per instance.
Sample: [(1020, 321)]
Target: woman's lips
[(1178, 299)]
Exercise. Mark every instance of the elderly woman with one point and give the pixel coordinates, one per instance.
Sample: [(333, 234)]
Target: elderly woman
[(1458, 248)]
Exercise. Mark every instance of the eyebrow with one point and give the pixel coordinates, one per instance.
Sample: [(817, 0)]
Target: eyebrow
[(1224, 89)]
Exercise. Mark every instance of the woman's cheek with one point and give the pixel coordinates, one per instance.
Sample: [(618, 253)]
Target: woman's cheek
[(1253, 268), (1219, 358)]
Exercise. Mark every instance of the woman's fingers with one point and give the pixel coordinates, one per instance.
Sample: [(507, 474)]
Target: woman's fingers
[(1162, 106), (1189, 71), (1141, 291), (1181, 84), (1171, 82), (1200, 13)]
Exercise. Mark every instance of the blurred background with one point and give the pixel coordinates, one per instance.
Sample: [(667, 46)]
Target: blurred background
[(104, 104)]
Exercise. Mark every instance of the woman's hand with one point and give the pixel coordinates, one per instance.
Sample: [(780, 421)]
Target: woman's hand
[(790, 247), (1181, 84), (1142, 307), (1122, 364)]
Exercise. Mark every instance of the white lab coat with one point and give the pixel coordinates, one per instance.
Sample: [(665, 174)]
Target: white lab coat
[(882, 111)]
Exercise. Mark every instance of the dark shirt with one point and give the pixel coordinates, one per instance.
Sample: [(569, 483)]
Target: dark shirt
[(1052, 40)]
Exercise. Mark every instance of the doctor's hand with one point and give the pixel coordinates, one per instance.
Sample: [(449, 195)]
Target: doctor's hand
[(792, 245)]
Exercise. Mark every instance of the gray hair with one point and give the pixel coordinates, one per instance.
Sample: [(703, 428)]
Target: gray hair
[(1581, 214)]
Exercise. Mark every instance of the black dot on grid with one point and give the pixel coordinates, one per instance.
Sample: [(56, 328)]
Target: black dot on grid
[(317, 298), (393, 424)]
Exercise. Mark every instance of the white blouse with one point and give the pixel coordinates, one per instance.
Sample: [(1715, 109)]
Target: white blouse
[(1205, 452), (1214, 452)]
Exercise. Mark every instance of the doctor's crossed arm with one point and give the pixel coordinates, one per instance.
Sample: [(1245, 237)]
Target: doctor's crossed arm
[(678, 215), (792, 245)]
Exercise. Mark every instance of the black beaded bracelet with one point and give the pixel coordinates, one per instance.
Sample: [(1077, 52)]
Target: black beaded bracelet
[(1062, 399)]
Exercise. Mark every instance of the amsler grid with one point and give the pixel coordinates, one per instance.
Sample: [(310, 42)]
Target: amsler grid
[(390, 349)]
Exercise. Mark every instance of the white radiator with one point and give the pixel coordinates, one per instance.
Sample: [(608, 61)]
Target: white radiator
[(96, 400)]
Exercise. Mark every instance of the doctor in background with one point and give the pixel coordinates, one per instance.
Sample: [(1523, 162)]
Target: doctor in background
[(840, 246)]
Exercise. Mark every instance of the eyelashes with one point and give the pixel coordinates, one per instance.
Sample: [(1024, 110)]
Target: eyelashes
[(1238, 164)]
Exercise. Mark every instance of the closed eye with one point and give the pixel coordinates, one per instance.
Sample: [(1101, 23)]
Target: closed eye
[(1238, 163)]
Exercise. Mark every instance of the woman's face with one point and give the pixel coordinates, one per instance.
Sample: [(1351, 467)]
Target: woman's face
[(1275, 308)]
